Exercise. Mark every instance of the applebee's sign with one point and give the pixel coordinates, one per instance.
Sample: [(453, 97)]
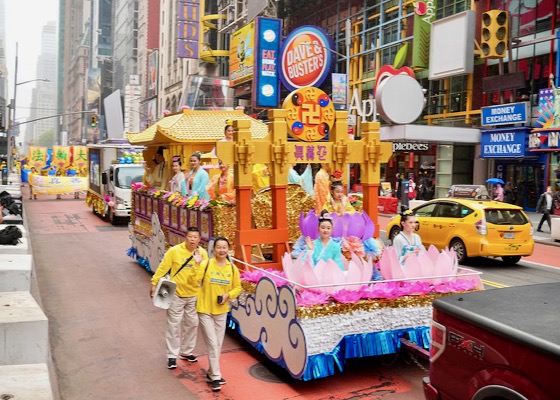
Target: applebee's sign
[(306, 57), (399, 98)]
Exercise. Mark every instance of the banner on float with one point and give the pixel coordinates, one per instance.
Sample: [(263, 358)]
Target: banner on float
[(57, 184), (61, 156), (37, 157), (79, 156)]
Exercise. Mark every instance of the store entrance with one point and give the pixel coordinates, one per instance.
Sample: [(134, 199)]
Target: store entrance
[(527, 180)]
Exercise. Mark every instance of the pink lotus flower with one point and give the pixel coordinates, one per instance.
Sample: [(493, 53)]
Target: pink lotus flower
[(347, 296), (307, 298), (352, 244), (302, 273)]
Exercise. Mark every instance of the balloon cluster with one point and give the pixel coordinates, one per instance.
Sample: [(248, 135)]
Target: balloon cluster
[(131, 157)]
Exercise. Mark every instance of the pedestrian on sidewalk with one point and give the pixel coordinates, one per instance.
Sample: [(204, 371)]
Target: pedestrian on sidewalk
[(544, 206), (220, 283), (182, 320)]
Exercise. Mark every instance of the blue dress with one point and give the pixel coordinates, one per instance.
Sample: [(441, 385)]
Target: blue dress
[(403, 246), (331, 251), (201, 179)]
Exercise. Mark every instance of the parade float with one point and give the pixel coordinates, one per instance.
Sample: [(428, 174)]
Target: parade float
[(308, 319), (56, 171)]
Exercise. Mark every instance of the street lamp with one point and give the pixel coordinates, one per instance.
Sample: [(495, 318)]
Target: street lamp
[(13, 110)]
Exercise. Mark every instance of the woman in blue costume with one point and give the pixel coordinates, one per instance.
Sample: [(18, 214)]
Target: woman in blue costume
[(324, 247), (407, 242), (197, 178)]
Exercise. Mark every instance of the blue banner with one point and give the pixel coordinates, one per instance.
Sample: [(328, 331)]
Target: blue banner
[(504, 114), (266, 84), (504, 143)]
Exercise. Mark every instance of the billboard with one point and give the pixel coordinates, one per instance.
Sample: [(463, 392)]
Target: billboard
[(188, 28), (306, 57), (241, 60), (266, 77), (152, 74)]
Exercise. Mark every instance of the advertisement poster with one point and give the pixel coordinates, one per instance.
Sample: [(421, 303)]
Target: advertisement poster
[(266, 78), (152, 73), (241, 61), (339, 82)]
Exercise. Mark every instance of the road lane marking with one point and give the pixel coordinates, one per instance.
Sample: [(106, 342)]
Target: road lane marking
[(494, 284)]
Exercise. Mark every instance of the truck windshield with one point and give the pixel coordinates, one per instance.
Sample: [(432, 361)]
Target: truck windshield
[(125, 176)]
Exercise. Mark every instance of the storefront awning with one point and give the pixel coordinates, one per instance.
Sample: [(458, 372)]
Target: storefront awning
[(430, 133)]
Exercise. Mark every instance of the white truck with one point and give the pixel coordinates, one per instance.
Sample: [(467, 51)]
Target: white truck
[(113, 166)]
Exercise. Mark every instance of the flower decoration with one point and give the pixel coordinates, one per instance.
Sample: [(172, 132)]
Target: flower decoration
[(352, 244)]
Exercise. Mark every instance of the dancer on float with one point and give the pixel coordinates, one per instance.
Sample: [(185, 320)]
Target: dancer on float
[(221, 187), (337, 201), (178, 182), (197, 178), (305, 180), (324, 247), (407, 242), (321, 187)]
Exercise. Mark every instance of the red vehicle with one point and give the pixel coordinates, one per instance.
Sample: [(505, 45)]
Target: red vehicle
[(499, 344)]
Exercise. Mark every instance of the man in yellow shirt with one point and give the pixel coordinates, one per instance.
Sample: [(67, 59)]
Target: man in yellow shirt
[(182, 320)]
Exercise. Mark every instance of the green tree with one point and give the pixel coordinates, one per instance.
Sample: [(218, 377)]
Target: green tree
[(46, 139)]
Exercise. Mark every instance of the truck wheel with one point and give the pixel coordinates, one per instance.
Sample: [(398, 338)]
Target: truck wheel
[(460, 250), (511, 260), (394, 232), (111, 217)]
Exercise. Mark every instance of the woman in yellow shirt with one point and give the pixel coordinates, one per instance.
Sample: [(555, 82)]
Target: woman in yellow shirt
[(220, 282)]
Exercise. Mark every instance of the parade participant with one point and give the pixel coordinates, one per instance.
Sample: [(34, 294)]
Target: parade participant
[(499, 193), (221, 187), (197, 178), (182, 320), (324, 247), (228, 136), (321, 187), (157, 176), (30, 177), (177, 183), (407, 242), (219, 281), (305, 180), (544, 206), (260, 177), (337, 201)]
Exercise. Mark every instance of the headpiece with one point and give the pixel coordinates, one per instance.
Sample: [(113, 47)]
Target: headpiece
[(176, 158), (336, 177)]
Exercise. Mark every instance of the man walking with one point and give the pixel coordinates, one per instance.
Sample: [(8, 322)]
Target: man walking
[(182, 319), (544, 205)]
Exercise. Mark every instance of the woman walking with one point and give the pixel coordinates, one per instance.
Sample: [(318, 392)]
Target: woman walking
[(219, 281)]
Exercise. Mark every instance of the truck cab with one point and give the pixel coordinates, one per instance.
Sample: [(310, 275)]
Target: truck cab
[(117, 183), (498, 344)]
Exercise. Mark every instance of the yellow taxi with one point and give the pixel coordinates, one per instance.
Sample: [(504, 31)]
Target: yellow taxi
[(473, 228)]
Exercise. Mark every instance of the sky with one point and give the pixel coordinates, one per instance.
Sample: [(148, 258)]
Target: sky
[(25, 20)]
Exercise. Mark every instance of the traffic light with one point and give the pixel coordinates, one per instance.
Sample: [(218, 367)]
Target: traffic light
[(93, 122), (495, 34)]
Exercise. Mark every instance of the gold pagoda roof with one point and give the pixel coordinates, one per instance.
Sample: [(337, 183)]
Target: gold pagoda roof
[(195, 126)]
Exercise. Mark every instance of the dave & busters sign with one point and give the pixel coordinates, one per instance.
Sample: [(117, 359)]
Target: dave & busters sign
[(306, 57)]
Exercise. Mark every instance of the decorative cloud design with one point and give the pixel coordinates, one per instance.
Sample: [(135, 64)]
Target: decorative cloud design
[(269, 317), (152, 248)]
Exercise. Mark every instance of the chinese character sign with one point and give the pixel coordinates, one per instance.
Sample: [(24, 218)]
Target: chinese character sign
[(61, 156), (79, 156), (37, 157), (314, 153)]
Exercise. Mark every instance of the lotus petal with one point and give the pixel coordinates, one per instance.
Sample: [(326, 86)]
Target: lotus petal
[(354, 275), (356, 225), (427, 266), (369, 227), (328, 272), (347, 296), (338, 226), (293, 272), (308, 277), (366, 267), (389, 264), (433, 253), (309, 298), (443, 266), (412, 267)]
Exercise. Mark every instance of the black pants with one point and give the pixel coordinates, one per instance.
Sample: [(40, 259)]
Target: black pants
[(545, 217)]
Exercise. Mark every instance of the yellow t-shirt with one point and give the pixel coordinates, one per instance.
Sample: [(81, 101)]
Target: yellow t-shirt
[(172, 262), (215, 281)]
